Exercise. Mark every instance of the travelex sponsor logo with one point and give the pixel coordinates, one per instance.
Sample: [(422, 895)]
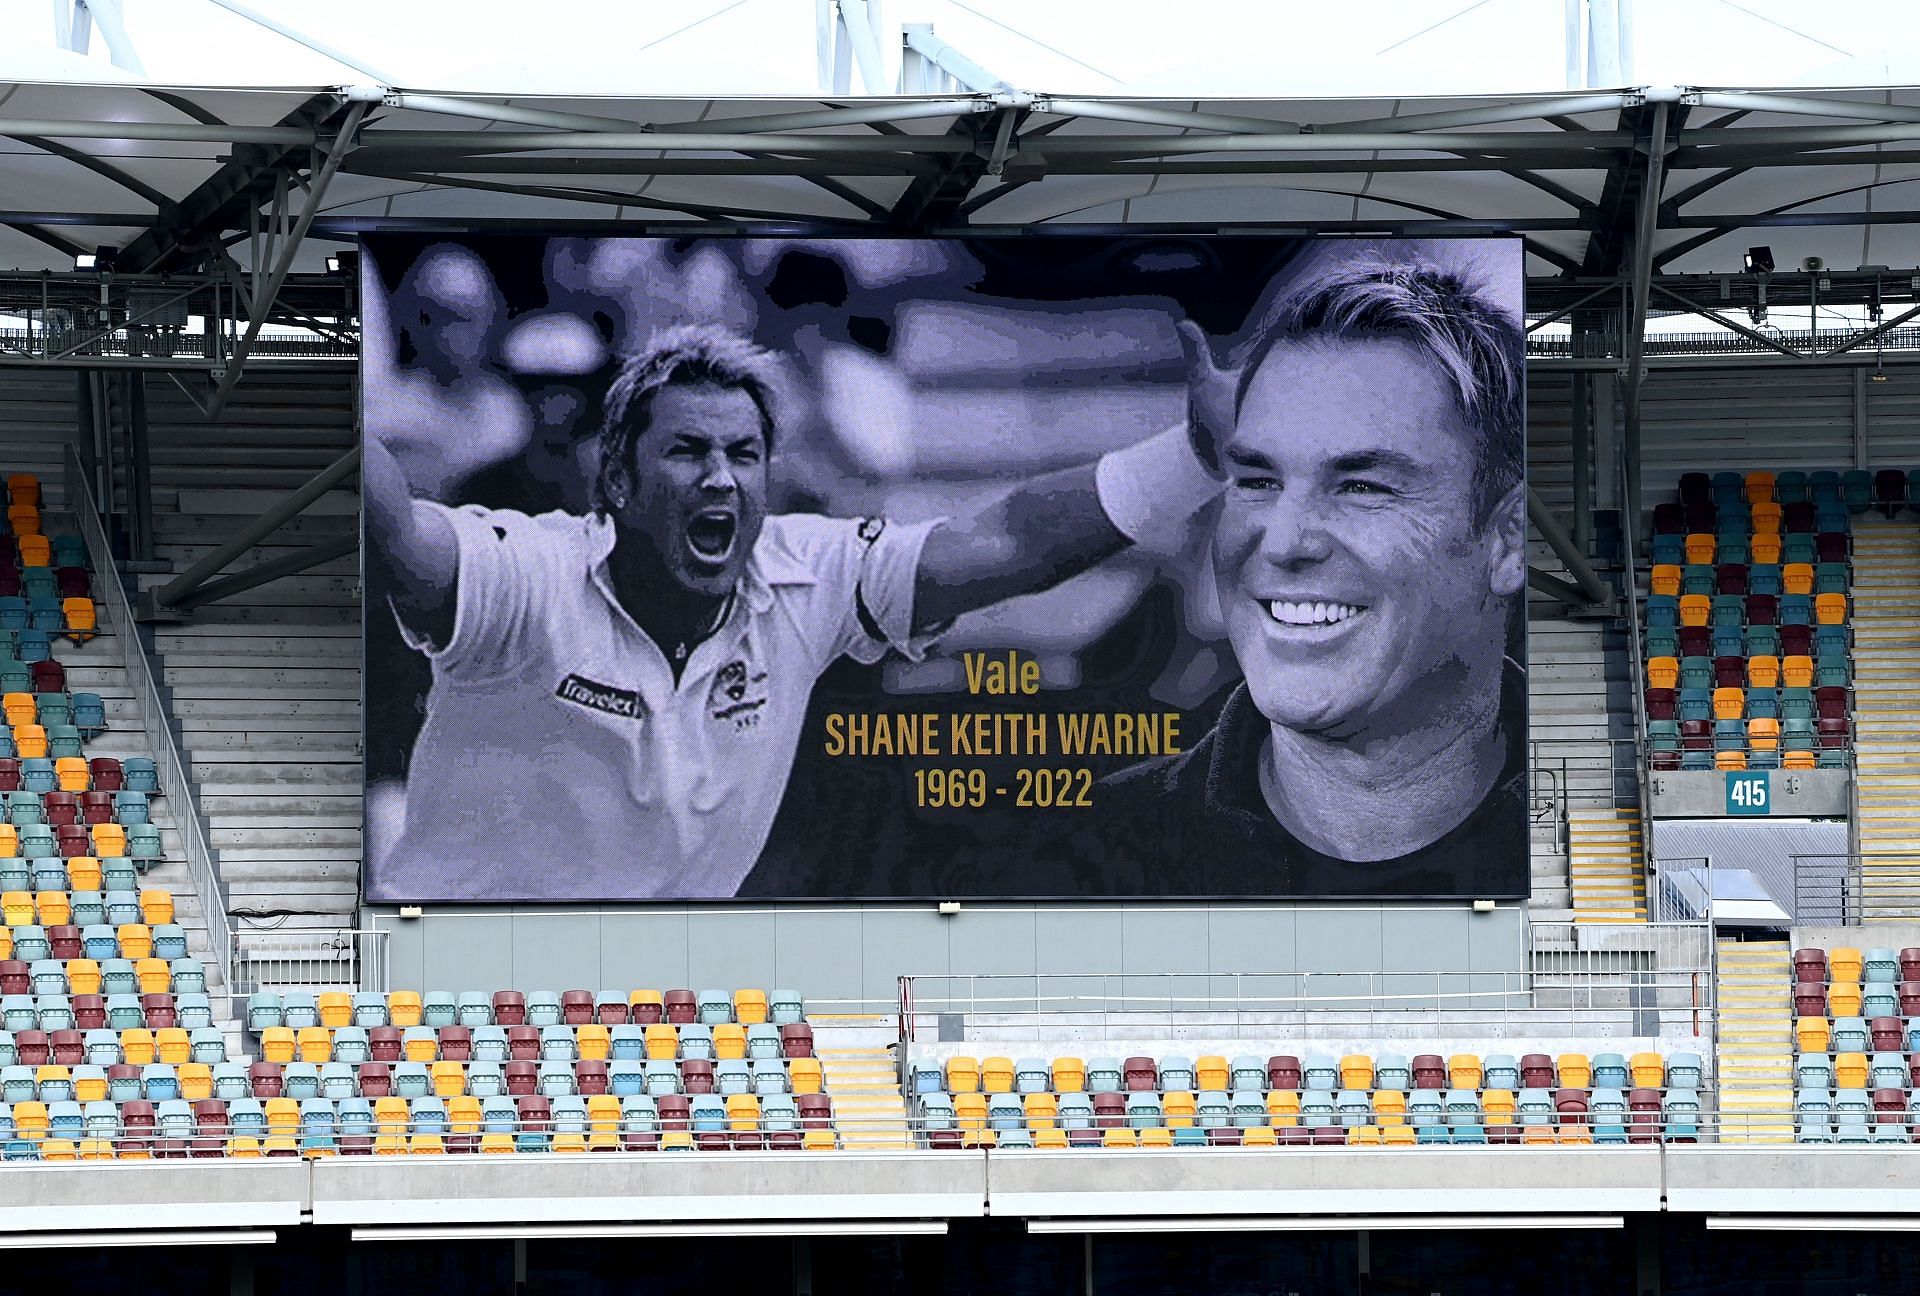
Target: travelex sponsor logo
[(737, 693), (584, 692)]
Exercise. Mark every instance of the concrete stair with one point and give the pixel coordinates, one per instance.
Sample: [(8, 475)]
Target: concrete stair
[(1886, 715), (1605, 866), (1754, 1065), (868, 1107)]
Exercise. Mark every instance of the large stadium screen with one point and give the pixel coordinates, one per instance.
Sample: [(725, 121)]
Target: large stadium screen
[(1063, 566)]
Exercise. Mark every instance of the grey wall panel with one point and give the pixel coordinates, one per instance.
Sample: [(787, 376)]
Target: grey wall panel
[(549, 949), (824, 947), (733, 949)]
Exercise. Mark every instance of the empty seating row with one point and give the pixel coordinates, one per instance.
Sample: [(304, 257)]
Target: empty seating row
[(53, 908), (629, 1043), (473, 1008), (87, 976), (44, 675), (1319, 1072), (1747, 641), (1741, 578), (37, 582), (101, 942), (28, 807), (105, 773), (74, 617), (1734, 611), (1856, 489)]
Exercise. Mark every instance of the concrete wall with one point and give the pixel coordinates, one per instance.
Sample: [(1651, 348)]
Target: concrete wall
[(853, 954)]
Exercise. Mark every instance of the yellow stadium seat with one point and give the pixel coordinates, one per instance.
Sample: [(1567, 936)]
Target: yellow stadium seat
[(20, 709), (1695, 609), (497, 1144), (1759, 487), (51, 1073), (1212, 1072), (970, 1111), (156, 910), (83, 976), (1763, 671), (85, 873), (1389, 1107), (136, 940), (421, 1050), (1259, 1136), (90, 1088), (570, 1142), (963, 1075), (336, 1006), (1850, 1071), (1763, 733), (464, 1114), (1729, 703), (663, 1042), (750, 1007), (36, 550), (1156, 1136), (426, 1145), (1797, 578), (403, 1008), (594, 1041), (81, 616), (1700, 548), (18, 908), (1797, 670), (1666, 579), (1649, 1070), (1575, 1135), (276, 1044), (1798, 760), (1844, 964), (1178, 1108), (1363, 1136), (71, 773), (996, 1075), (23, 488), (1764, 547), (1069, 1075), (59, 1149), (449, 1079), (682, 1141), (1283, 1107), (136, 1046), (24, 520), (1830, 609), (172, 1045), (1049, 1137), (1118, 1138), (153, 974), (196, 1081), (55, 908), (824, 1140), (274, 1145), (30, 1119), (645, 999), (1536, 1134), (1499, 1106), (729, 1042), (1812, 1034), (603, 1114), (1043, 1111), (1844, 999), (283, 1116), (316, 1044), (1730, 760), (10, 842), (390, 1115), (743, 1113), (1356, 1071), (1663, 672), (1463, 1071), (6, 942), (805, 1075), (98, 1149), (30, 740), (1398, 1136)]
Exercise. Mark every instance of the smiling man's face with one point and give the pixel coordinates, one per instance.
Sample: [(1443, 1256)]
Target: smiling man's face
[(1363, 579), (698, 487)]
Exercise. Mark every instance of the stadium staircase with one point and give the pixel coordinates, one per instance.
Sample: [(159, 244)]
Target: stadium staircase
[(1886, 708), (1577, 685), (1753, 1069), (864, 1083), (1605, 866), (265, 685)]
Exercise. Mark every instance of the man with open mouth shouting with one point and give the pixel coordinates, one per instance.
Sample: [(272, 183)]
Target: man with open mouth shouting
[(617, 696), (1370, 559)]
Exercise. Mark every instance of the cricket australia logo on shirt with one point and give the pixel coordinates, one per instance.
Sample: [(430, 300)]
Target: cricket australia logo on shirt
[(582, 691), (738, 694)]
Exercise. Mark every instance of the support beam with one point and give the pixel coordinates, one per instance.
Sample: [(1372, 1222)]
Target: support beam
[(1645, 227), (1732, 326), (920, 40), (180, 591), (826, 118), (1591, 590), (1807, 106), (301, 38), (1885, 326), (264, 295), (1572, 595), (273, 569), (857, 31), (113, 29)]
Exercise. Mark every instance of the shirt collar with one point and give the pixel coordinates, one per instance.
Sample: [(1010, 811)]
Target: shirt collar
[(771, 563)]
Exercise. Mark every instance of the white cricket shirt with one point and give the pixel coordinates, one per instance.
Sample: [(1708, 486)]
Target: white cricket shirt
[(559, 759)]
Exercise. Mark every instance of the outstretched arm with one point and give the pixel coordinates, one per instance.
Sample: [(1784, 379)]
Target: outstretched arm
[(1059, 524)]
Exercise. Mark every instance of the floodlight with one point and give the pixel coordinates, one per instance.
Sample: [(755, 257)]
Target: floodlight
[(1760, 260), (85, 261)]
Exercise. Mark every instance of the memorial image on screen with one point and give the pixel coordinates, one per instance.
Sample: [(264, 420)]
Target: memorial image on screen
[(1061, 566)]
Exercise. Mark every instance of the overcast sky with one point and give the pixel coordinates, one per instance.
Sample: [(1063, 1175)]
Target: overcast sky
[(1212, 48)]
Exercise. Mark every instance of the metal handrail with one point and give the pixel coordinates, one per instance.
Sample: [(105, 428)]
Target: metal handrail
[(202, 867)]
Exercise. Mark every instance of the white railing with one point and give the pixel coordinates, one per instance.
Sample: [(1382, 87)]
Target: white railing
[(332, 958), (175, 783)]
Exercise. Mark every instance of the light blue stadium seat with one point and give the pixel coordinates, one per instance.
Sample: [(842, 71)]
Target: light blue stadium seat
[(1321, 1072), (350, 1045), (770, 1076), (1354, 1107), (486, 1079), (143, 845), (696, 1041), (1005, 1112), (663, 1077), (626, 1078), (1879, 999), (1469, 1132), (439, 1008), (89, 910), (246, 1118), (1463, 1107), (209, 1044), (17, 1012), (569, 1114), (1213, 1109), (627, 1043), (638, 1115), (300, 1080), (1030, 1074), (763, 1042), (557, 1044), (48, 872), (490, 1044), (159, 1082), (1609, 1071), (1316, 1108), (15, 875), (1247, 1072), (230, 1082), (30, 942), (298, 1010), (427, 1113), (369, 1009), (779, 1115), (137, 774), (1104, 1075), (499, 1115), (64, 1119), (1813, 1071), (1426, 1107), (1850, 1035), (476, 1008), (124, 1088), (1535, 1107), (1889, 1071), (715, 1007), (90, 714), (1423, 1134), (337, 1080), (1500, 1071), (1392, 1071), (56, 1012), (118, 872), (354, 1116), (1075, 1111), (1683, 1070), (173, 1119), (122, 907), (17, 1084), (1176, 1073), (1248, 1107), (1881, 966), (102, 1120), (556, 1079), (192, 1011), (785, 1007), (10, 1051), (188, 976), (732, 1076), (1144, 1110), (936, 1111), (543, 1008), (707, 1113), (49, 977)]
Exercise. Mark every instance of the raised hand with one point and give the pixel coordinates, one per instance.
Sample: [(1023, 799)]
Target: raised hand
[(1210, 395)]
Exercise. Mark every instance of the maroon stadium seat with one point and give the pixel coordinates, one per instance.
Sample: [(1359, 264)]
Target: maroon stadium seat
[(384, 1043), (68, 1047), (590, 1076), (62, 808), (159, 1010), (683, 1006), (696, 1076), (456, 1044), (107, 775), (1889, 1034), (1536, 1071), (15, 978), (576, 1007), (49, 677), (65, 942), (523, 1043), (1142, 1075), (509, 1008), (90, 1012), (816, 1110), (1109, 1110), (1810, 966), (1833, 546), (1283, 1071), (612, 1013), (32, 1048), (96, 807), (796, 1040), (375, 1080), (674, 1109), (1429, 1072), (522, 1078)]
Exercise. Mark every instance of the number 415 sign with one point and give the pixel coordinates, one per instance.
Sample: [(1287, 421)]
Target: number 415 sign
[(1748, 793)]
